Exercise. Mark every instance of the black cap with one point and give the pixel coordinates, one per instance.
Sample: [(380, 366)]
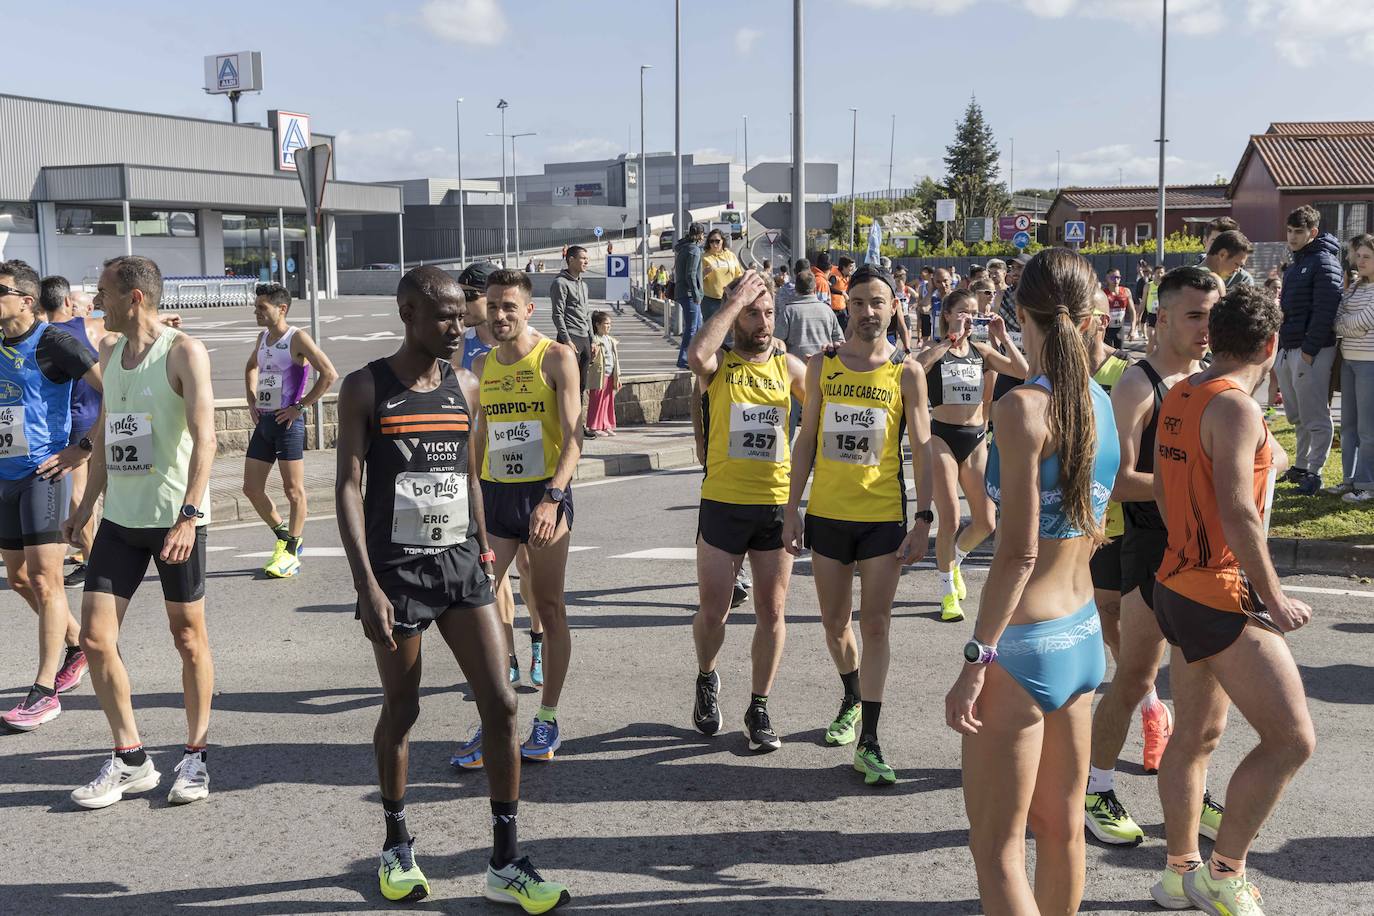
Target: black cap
[(872, 272), (476, 274)]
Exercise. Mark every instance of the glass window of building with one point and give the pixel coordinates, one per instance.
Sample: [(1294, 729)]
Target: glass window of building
[(252, 246), (17, 217), (109, 221)]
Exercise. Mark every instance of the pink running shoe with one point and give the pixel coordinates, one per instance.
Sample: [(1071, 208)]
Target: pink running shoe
[(1158, 724), (72, 671), (34, 710)]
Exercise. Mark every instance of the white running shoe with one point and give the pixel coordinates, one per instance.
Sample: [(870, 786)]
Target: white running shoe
[(192, 782), (114, 780)]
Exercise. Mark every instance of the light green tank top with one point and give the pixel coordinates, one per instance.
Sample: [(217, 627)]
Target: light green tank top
[(147, 442)]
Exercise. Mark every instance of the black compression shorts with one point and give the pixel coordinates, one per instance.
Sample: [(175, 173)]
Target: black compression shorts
[(1106, 565), (737, 529), (508, 507), (849, 542), (119, 561)]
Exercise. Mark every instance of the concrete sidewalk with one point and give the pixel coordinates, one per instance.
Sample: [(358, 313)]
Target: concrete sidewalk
[(633, 450)]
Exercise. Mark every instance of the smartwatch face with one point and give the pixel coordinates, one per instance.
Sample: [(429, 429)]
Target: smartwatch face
[(972, 652)]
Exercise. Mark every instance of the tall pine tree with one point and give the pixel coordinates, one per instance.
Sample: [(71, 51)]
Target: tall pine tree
[(971, 164)]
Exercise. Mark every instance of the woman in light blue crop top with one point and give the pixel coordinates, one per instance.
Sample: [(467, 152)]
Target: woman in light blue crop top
[(1023, 700)]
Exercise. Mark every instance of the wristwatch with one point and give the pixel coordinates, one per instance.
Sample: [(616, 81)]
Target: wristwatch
[(925, 515), (189, 511), (979, 653), (85, 444), (554, 495)]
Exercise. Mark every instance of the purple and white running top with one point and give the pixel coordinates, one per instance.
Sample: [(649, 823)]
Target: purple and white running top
[(281, 382)]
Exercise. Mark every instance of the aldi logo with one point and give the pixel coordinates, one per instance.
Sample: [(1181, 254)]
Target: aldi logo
[(227, 72), (292, 133)]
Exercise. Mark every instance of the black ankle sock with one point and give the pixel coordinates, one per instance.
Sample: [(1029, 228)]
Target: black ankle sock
[(281, 531), (851, 686), (759, 699), (71, 650), (42, 691), (293, 545), (704, 676), (503, 848), (514, 662), (869, 732), (394, 813), (131, 756), (202, 751), (537, 638)]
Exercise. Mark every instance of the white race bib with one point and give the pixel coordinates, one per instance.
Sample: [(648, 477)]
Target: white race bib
[(1116, 317), (430, 510), (13, 442), (853, 435), (269, 390), (756, 432), (961, 383), (129, 443), (515, 450)]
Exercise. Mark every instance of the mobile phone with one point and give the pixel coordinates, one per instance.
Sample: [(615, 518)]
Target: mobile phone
[(978, 328)]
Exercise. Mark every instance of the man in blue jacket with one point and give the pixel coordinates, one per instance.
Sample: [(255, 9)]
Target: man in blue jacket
[(687, 285), (1307, 343)]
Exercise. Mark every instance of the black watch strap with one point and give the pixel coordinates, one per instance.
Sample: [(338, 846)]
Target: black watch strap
[(925, 515)]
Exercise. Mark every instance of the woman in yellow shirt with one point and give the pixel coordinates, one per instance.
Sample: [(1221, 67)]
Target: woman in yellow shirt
[(719, 268)]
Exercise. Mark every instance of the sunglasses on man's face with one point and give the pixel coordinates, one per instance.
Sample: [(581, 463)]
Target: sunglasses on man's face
[(11, 291)]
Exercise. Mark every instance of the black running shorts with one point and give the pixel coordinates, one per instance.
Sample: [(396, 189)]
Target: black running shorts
[(119, 561), (422, 592), (1106, 565), (1201, 631), (1142, 550), (738, 529), (849, 542), (32, 511), (508, 507)]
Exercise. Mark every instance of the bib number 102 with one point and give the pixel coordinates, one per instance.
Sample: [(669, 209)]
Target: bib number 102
[(123, 454)]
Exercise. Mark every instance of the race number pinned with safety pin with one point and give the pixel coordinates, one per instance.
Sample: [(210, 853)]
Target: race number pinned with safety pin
[(853, 435), (128, 443), (269, 390), (430, 510), (515, 450), (13, 442), (756, 432)]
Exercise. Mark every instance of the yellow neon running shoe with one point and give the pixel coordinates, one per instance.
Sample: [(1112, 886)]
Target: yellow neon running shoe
[(959, 587), (519, 883), (284, 564), (1210, 822), (950, 609), (1233, 896), (400, 878), (868, 760)]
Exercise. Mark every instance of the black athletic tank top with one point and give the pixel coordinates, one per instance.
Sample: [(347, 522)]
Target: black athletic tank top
[(1146, 514), (416, 503), (956, 379)]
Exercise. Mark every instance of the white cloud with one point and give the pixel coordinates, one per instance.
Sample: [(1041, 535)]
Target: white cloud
[(1305, 31), (1116, 164), (745, 38), (584, 148), (472, 22), (939, 7), (391, 154)]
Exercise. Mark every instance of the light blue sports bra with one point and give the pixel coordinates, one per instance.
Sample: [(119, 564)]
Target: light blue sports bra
[(1053, 524)]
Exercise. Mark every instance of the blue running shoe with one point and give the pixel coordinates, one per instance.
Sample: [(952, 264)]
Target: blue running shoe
[(543, 741), (469, 756), (514, 670), (537, 664)]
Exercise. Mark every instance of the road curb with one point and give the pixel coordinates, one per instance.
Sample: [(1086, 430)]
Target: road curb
[(1297, 555), (233, 509)]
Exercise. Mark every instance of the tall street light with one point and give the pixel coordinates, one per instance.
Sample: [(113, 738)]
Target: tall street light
[(462, 234), (1163, 75), (891, 154), (515, 192), (798, 131), (746, 183), (642, 187), (505, 228), (679, 217), (853, 202)]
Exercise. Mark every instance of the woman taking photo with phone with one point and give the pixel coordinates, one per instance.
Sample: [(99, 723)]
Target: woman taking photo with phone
[(1023, 699), (960, 369)]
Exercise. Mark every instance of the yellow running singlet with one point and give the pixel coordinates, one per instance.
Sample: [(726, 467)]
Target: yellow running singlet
[(745, 411), (1107, 375), (524, 433)]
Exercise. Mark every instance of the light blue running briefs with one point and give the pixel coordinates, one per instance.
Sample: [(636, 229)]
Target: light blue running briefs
[(1056, 660)]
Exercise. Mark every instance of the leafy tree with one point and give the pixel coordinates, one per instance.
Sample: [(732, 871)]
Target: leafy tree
[(971, 168)]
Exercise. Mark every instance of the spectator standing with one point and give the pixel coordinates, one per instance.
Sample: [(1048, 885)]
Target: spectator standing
[(1216, 227), (719, 268), (1307, 343), (572, 319), (687, 254), (1226, 256), (1355, 327), (807, 325), (605, 375)]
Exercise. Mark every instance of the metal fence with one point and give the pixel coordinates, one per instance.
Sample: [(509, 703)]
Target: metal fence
[(207, 292)]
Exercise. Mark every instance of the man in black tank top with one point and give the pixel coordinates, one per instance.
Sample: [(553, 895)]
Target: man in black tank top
[(413, 547), (1186, 297)]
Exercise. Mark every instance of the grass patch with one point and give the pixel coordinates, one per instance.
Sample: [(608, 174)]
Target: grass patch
[(1318, 517)]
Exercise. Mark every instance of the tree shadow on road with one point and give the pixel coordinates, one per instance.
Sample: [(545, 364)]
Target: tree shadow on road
[(1339, 683), (1327, 859)]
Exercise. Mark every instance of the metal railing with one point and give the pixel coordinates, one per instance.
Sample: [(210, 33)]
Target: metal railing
[(207, 292)]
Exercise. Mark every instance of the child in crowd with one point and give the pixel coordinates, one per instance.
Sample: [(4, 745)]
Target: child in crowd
[(605, 375)]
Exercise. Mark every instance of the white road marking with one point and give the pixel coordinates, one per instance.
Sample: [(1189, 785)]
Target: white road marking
[(575, 549), (1315, 590), (237, 525), (660, 553), (307, 553)]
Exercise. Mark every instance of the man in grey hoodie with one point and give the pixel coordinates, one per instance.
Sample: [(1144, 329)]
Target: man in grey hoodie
[(572, 318), (687, 285)]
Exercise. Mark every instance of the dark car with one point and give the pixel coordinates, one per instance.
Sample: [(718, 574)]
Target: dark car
[(666, 238)]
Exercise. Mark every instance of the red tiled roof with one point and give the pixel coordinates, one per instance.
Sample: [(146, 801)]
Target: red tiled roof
[(1331, 161), (1320, 128), (1146, 197)]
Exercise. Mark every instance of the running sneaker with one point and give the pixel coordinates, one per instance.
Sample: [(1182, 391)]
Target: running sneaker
[(706, 711), (959, 587), (518, 882), (1108, 821), (1358, 497), (1168, 891), (543, 741), (115, 779), (537, 664), (192, 782), (739, 595), (469, 756), (1226, 897), (758, 728), (400, 878), (843, 730), (284, 564), (75, 578), (34, 710), (868, 760), (1210, 822), (1292, 475), (950, 609), (514, 670), (1339, 489), (1157, 724), (72, 671), (1309, 483)]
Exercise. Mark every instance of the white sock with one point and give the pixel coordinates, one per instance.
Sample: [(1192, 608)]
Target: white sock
[(959, 555), (1151, 699), (947, 582), (1100, 781)]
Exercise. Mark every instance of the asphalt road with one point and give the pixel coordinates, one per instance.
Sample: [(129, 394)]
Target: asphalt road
[(357, 329), (639, 813)]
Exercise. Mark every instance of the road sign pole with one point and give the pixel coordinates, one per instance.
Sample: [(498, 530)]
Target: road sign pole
[(315, 320)]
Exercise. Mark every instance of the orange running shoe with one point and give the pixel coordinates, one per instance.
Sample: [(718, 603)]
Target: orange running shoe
[(1158, 724)]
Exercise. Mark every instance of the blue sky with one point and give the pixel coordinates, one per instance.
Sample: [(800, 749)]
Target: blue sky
[(1078, 76)]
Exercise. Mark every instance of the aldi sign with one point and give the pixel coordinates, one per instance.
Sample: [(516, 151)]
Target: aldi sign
[(291, 131)]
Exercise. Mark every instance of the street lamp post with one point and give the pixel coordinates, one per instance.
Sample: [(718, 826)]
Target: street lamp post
[(679, 217), (853, 155), (515, 192), (1163, 76), (798, 147), (746, 183), (891, 154), (505, 228), (462, 234), (641, 186)]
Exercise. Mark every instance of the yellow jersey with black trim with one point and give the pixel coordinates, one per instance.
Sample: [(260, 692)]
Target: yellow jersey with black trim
[(858, 473), (520, 409), (1107, 375), (745, 410)]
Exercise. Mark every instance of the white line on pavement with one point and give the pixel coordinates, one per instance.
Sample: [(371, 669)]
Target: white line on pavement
[(660, 553), (308, 552), (237, 525), (1315, 590)]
